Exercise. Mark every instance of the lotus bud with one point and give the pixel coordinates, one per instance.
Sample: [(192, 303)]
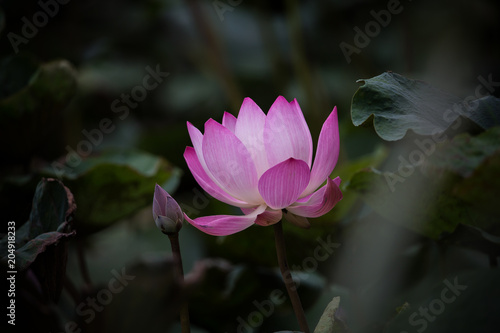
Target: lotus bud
[(166, 212)]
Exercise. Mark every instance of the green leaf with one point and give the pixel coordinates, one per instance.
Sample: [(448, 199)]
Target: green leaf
[(41, 242), (412, 204), (345, 172), (30, 112), (428, 210), (473, 164), (457, 184), (52, 204), (49, 88), (481, 192), (114, 185), (485, 111), (28, 253), (465, 153), (398, 104)]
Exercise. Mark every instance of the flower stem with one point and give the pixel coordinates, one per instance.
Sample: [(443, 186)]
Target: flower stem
[(176, 251), (287, 277)]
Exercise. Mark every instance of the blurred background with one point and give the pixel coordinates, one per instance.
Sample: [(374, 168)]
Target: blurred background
[(97, 94)]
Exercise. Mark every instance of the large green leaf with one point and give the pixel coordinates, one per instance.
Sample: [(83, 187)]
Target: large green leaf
[(411, 204), (485, 111), (428, 211), (30, 110), (52, 205), (398, 104), (28, 253), (41, 242), (481, 192), (114, 184), (465, 153), (474, 163), (49, 89), (345, 171), (457, 184)]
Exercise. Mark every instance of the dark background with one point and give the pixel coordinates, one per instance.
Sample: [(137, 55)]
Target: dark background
[(217, 53)]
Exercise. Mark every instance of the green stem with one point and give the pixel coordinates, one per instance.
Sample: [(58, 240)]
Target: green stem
[(176, 251), (287, 277)]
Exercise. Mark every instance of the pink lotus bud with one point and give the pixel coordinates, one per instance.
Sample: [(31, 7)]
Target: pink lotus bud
[(166, 212)]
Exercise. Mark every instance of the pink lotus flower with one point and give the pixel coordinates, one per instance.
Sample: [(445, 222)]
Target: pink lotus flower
[(263, 164)]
